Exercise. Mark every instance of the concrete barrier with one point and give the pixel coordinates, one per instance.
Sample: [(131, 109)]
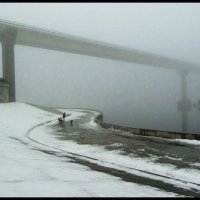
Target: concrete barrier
[(148, 132), (4, 91)]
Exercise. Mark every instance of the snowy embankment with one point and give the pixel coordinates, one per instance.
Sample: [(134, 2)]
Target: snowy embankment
[(28, 170), (182, 178)]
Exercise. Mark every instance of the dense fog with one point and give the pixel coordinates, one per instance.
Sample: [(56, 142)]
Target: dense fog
[(128, 94)]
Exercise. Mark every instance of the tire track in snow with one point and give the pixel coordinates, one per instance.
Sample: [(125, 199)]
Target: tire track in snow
[(89, 161)]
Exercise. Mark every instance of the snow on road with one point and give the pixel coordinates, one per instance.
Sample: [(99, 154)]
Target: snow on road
[(28, 169)]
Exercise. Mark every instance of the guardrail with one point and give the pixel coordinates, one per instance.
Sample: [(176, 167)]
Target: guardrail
[(147, 132)]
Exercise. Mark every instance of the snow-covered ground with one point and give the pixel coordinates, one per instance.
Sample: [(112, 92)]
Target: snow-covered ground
[(27, 169)]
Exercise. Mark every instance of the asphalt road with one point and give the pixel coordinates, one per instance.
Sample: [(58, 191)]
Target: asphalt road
[(166, 151)]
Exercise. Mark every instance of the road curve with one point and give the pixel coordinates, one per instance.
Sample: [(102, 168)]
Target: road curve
[(174, 154)]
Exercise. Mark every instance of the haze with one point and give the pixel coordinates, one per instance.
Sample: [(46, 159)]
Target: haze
[(127, 94)]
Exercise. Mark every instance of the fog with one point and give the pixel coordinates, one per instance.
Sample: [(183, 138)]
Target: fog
[(128, 94)]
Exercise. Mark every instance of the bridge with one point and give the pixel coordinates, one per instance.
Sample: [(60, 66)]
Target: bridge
[(12, 33)]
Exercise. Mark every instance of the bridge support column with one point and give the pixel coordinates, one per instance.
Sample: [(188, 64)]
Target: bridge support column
[(184, 105), (8, 37)]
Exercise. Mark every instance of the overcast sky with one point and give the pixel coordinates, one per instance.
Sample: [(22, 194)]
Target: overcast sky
[(166, 28), (137, 96)]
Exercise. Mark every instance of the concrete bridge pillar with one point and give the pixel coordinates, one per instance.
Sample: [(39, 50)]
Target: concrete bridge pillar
[(185, 104), (8, 37)]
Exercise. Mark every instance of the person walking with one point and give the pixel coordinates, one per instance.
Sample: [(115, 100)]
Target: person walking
[(64, 115), (71, 122)]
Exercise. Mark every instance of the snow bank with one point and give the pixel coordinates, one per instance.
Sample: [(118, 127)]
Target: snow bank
[(27, 171)]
